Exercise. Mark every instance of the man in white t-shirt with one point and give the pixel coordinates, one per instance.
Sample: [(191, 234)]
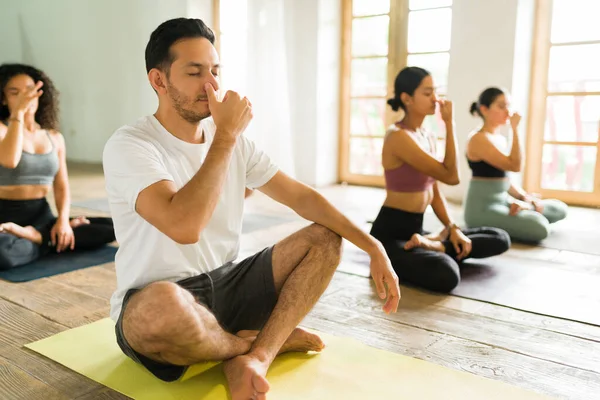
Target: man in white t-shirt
[(176, 182)]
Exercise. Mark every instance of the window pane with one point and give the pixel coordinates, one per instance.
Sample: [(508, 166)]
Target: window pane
[(575, 21), (574, 68), (422, 4), (437, 64), (369, 77), (365, 156), (367, 117), (568, 167), (234, 22), (370, 36), (429, 30), (572, 119), (370, 7)]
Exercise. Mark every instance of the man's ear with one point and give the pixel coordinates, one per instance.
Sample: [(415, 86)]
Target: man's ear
[(158, 80)]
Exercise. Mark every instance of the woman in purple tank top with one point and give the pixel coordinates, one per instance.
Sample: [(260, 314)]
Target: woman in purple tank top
[(32, 163), (412, 172)]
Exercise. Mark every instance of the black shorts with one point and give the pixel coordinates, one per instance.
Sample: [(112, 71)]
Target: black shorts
[(240, 295)]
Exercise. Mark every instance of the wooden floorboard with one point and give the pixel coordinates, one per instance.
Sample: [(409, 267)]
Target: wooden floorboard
[(21, 326), (544, 354), (16, 384), (103, 394), (416, 311), (477, 309), (465, 355), (57, 302)]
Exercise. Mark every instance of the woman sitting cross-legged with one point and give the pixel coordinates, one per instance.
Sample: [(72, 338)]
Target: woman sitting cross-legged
[(493, 199), (412, 172), (33, 162)]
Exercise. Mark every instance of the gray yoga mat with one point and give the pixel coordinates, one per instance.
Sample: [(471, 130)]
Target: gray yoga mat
[(542, 287), (252, 221)]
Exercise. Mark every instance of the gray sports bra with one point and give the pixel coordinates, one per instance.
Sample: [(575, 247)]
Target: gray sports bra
[(33, 169)]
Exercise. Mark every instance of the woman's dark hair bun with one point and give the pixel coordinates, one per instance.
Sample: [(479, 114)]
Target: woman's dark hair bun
[(474, 110), (395, 103)]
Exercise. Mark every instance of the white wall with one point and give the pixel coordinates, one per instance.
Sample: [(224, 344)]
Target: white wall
[(314, 65), (94, 53), (491, 46), (328, 91)]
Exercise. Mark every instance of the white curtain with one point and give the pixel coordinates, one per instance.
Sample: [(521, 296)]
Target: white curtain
[(253, 54)]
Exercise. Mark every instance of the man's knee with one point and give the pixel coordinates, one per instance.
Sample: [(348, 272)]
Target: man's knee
[(154, 312), (328, 240)]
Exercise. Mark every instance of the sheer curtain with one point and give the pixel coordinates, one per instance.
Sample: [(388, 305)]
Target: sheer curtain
[(253, 55)]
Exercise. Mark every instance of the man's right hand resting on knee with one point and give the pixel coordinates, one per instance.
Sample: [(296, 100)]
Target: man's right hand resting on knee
[(176, 183)]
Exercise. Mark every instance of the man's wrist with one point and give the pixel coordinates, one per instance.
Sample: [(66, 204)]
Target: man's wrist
[(224, 140), (375, 248)]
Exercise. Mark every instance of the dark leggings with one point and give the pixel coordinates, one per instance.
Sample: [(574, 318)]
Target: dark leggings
[(16, 251), (430, 269)]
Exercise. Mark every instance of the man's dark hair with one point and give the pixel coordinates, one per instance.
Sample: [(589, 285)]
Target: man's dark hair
[(158, 54)]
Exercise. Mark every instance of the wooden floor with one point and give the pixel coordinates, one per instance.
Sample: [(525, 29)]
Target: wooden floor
[(552, 356)]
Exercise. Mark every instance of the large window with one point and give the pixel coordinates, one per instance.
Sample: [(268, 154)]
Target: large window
[(379, 38), (563, 145)]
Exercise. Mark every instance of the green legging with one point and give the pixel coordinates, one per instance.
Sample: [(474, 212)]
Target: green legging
[(487, 205)]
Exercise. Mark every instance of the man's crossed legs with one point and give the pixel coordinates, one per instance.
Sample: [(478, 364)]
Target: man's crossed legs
[(166, 326)]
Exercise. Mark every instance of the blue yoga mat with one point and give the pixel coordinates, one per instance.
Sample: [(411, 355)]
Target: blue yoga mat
[(55, 264)]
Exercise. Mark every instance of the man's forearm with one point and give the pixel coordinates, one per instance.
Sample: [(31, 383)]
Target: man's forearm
[(314, 207), (195, 202)]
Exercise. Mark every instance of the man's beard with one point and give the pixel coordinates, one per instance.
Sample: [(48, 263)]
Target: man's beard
[(182, 103)]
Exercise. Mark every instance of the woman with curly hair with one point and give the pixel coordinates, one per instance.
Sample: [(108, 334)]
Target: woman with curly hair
[(32, 161)]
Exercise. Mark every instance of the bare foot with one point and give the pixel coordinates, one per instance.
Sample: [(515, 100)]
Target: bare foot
[(421, 241), (78, 221), (246, 378), (299, 341), (514, 209), (302, 341), (27, 232)]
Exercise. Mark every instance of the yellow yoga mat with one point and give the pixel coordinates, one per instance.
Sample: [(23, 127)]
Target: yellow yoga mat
[(347, 369)]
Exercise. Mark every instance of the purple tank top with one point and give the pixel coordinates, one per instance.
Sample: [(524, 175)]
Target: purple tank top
[(405, 178)]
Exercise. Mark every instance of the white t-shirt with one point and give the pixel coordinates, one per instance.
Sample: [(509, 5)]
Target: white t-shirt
[(139, 155)]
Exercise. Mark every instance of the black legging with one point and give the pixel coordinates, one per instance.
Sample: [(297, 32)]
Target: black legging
[(430, 269), (16, 251)]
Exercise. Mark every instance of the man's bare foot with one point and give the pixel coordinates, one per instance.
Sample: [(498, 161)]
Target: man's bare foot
[(246, 374), (302, 341), (246, 378), (299, 341), (421, 241), (78, 221), (25, 232)]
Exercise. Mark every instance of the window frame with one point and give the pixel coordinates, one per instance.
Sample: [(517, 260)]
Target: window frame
[(539, 94), (397, 59)]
